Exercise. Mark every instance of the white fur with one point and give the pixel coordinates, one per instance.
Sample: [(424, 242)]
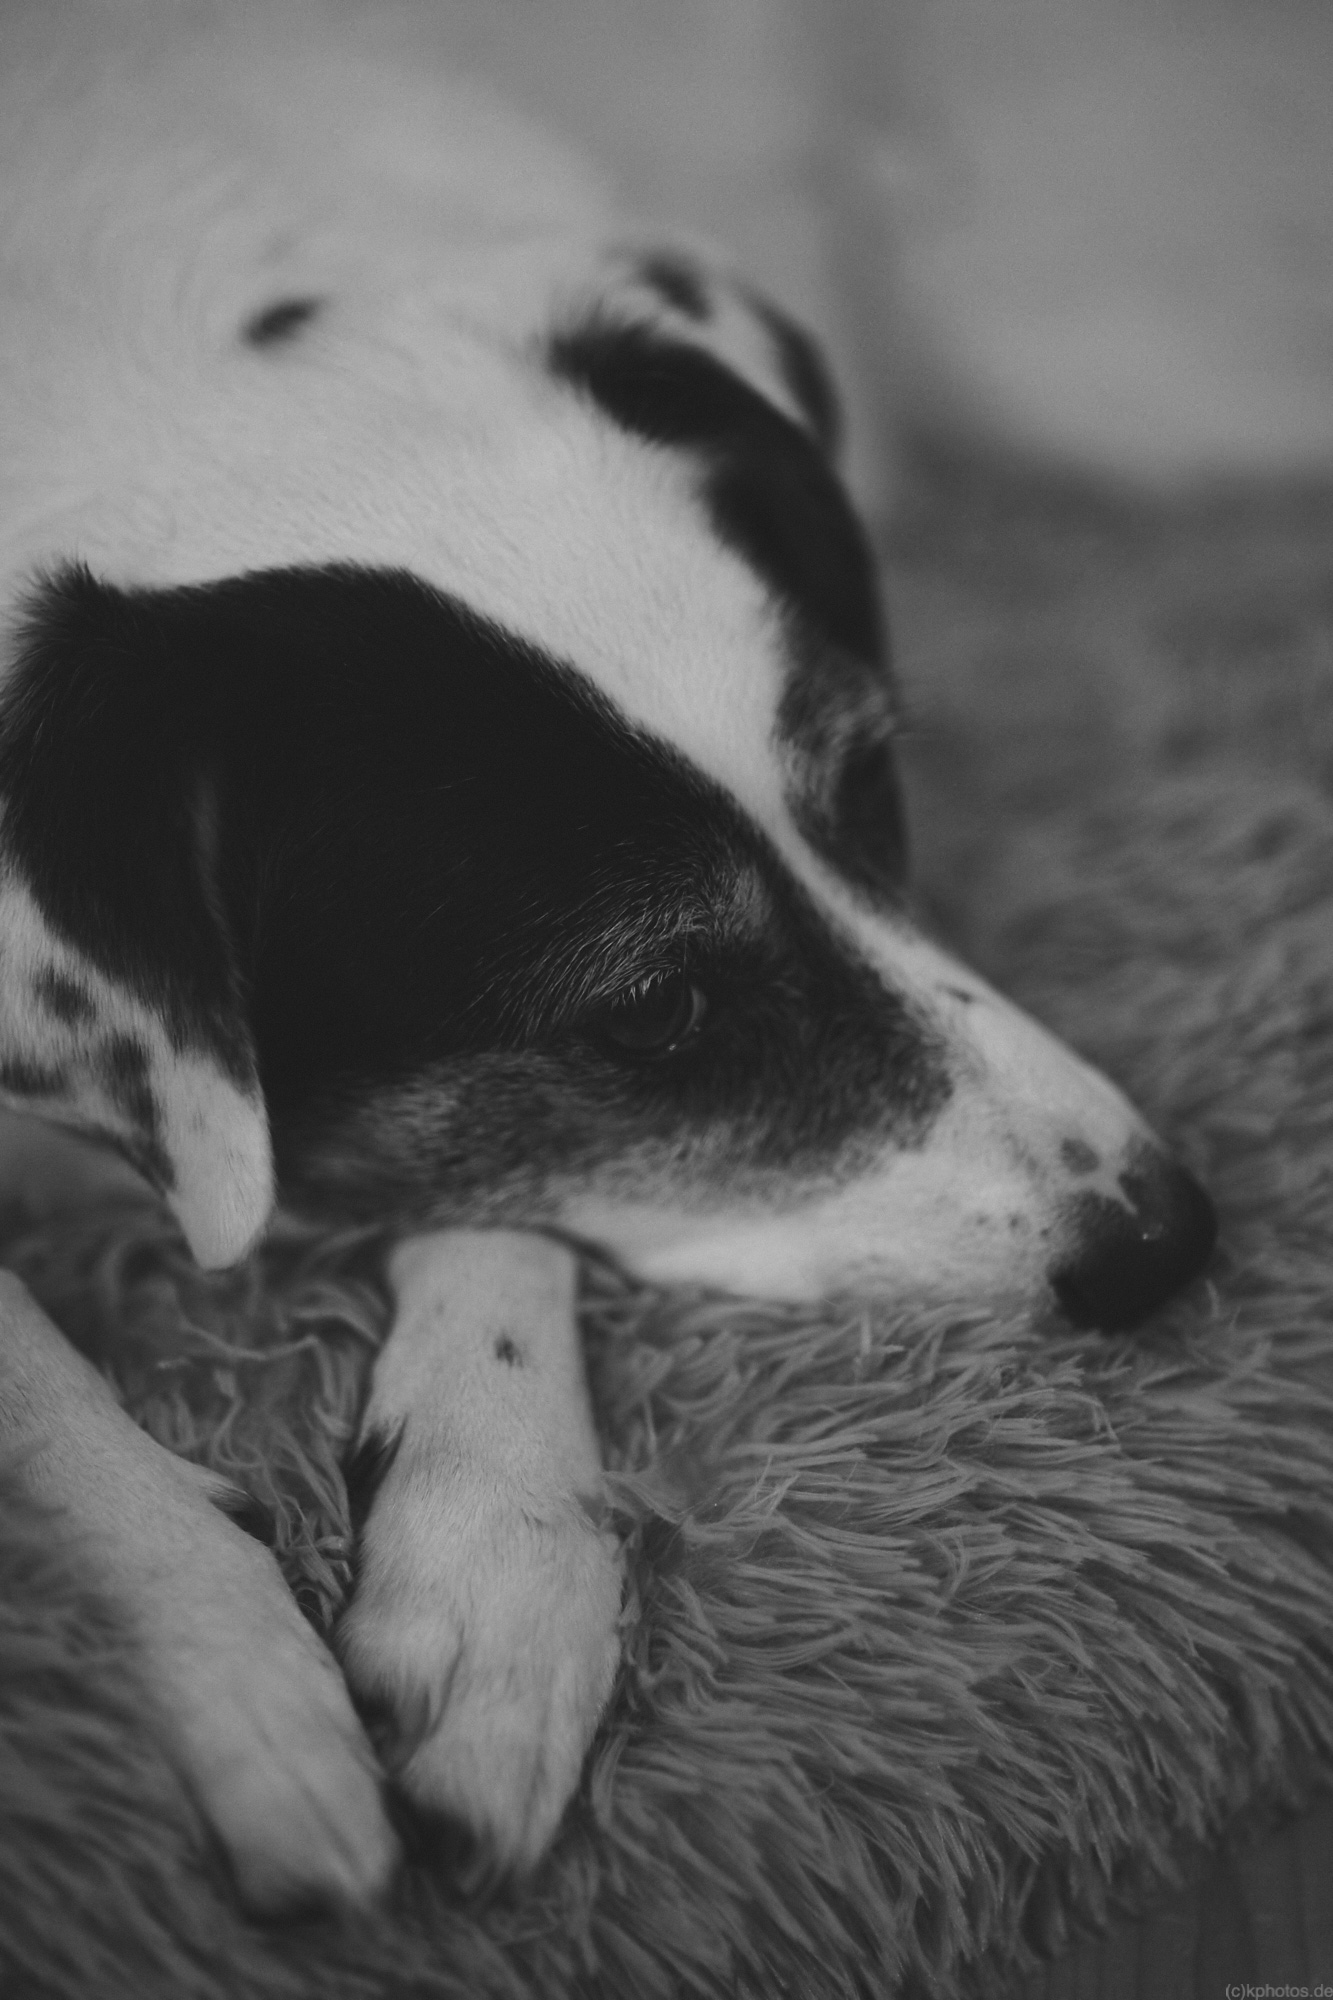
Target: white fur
[(969, 1214), (168, 170), (413, 426), (488, 1591)]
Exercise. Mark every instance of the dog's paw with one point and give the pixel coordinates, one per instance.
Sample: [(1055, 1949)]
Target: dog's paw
[(482, 1634), (248, 1704), (258, 1719), (484, 1650)]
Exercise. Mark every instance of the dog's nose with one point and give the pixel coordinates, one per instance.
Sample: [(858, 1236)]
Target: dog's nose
[(1127, 1260)]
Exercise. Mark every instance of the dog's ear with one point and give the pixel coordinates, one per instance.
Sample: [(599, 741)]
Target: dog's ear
[(694, 298), (757, 413), (122, 1007)]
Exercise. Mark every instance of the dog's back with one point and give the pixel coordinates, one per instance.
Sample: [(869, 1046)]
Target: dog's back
[(185, 190)]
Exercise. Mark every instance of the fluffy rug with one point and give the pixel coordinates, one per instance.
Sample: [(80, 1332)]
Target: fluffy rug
[(939, 1630)]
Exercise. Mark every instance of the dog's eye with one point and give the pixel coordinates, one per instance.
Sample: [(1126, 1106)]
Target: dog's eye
[(656, 1016)]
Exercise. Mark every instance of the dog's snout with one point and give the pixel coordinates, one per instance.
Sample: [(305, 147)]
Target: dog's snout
[(1128, 1258)]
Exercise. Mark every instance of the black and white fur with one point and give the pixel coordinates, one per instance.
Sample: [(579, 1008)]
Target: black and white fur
[(446, 752)]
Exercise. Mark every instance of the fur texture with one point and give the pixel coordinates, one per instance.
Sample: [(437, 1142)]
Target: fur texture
[(936, 1625), (368, 843)]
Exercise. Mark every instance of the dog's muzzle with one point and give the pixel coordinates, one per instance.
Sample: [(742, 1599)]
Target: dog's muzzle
[(1128, 1259)]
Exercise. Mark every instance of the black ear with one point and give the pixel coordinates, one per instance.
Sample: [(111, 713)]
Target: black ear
[(122, 1009), (690, 297)]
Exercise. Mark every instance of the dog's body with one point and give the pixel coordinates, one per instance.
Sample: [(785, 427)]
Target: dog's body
[(446, 750)]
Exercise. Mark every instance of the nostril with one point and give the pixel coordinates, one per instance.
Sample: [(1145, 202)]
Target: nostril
[(1128, 1260)]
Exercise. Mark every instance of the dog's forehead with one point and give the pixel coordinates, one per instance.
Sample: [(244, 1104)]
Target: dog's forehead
[(537, 512), (500, 480), (796, 604), (624, 578), (597, 546)]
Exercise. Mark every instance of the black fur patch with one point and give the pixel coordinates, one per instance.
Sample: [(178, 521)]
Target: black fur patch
[(776, 500), (678, 283), (100, 761), (366, 1471), (278, 324), (31, 1079), (837, 715), (67, 998), (122, 1064), (773, 496), (437, 854)]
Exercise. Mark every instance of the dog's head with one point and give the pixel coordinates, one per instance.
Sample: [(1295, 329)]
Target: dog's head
[(492, 796)]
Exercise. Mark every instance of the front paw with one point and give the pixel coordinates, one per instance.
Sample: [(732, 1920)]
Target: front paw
[(258, 1718), (249, 1703), (484, 1643)]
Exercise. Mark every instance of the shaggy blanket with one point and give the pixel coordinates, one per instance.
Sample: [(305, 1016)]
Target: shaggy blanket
[(938, 1628)]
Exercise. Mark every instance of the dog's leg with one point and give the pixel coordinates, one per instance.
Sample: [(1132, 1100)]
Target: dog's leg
[(483, 1625), (253, 1708)]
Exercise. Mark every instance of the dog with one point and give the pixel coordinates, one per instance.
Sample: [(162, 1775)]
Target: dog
[(448, 778)]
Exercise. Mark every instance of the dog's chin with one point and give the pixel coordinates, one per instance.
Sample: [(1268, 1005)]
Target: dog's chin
[(1103, 1253), (753, 1260)]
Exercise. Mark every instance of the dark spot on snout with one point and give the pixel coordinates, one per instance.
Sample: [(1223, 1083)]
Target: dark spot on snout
[(1079, 1157), (275, 325), (508, 1352), (366, 1471), (961, 995), (68, 999), (1127, 1261)]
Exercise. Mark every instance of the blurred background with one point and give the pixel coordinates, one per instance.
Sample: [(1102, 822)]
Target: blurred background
[(1098, 230)]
